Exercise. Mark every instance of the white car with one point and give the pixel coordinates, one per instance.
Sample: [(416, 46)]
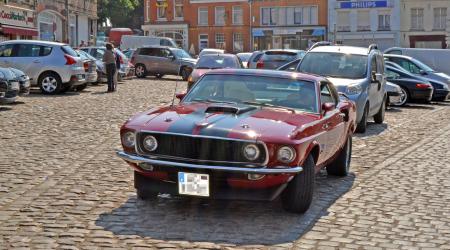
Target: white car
[(53, 67)]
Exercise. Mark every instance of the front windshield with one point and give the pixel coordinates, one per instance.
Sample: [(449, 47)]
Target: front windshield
[(337, 65), (274, 92), (179, 53), (216, 62)]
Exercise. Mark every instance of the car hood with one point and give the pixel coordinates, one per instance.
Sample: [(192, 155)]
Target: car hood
[(253, 123)]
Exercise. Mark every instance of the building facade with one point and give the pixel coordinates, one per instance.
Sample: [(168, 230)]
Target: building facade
[(226, 24), (361, 23), (425, 23), (17, 20)]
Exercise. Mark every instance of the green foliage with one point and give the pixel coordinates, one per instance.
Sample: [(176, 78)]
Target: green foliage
[(121, 13)]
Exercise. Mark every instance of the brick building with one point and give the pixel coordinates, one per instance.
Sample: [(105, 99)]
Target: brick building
[(198, 24)]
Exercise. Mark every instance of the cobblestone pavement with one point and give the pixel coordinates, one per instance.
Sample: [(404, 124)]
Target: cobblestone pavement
[(62, 187)]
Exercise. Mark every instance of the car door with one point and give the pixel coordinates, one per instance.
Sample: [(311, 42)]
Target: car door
[(333, 120), (27, 58), (166, 63), (374, 87), (6, 55)]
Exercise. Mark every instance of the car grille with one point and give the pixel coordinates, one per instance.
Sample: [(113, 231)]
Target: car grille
[(200, 148)]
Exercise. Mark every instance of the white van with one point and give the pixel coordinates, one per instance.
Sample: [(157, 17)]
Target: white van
[(134, 42), (437, 59)]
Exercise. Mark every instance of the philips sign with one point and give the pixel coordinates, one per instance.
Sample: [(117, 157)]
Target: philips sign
[(364, 4)]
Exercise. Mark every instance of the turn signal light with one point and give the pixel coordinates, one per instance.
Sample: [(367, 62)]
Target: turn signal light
[(422, 86), (86, 67), (70, 60)]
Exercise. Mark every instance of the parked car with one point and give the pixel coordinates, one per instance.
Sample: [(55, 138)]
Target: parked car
[(356, 71), (24, 81), (437, 59), (244, 57), (126, 70), (394, 93), (213, 61), (252, 134), (134, 42), (290, 66), (129, 53), (440, 90), (53, 67), (90, 67), (273, 59), (160, 61), (210, 51), (418, 68), (9, 86)]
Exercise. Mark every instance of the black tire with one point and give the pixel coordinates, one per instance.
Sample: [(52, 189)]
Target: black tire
[(341, 165), (145, 195), (140, 71), (50, 83), (139, 181), (362, 125), (159, 76), (81, 87), (379, 117), (298, 195), (185, 73)]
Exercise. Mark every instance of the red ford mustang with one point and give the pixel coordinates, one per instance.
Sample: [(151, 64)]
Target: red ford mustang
[(242, 134)]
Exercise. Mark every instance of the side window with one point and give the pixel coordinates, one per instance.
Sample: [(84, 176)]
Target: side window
[(257, 57), (326, 94), (409, 66), (28, 50), (6, 50), (373, 64), (165, 42), (45, 51), (391, 74)]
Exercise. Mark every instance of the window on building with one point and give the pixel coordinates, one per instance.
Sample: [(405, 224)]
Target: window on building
[(147, 10), (363, 20), (220, 15), (203, 42), (440, 18), (161, 10), (237, 15), (220, 41), (178, 9), (417, 19), (298, 15), (269, 16), (384, 22), (238, 42), (343, 21), (203, 16)]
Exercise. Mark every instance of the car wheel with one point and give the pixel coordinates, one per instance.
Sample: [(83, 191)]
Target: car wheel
[(185, 74), (379, 117), (140, 71), (141, 192), (404, 98), (159, 76), (50, 83), (362, 125), (297, 197), (341, 165), (81, 87)]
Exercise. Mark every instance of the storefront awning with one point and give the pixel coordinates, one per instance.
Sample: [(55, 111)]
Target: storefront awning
[(257, 33), (18, 31), (318, 32)]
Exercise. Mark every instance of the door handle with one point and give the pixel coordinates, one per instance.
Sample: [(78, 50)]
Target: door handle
[(37, 61)]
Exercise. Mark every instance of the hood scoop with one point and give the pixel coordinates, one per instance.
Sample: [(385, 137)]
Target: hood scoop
[(228, 109)]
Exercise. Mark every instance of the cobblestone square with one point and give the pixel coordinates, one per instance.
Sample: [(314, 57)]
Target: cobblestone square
[(61, 185)]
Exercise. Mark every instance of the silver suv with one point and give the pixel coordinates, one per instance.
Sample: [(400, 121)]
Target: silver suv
[(355, 71), (53, 67), (160, 61)]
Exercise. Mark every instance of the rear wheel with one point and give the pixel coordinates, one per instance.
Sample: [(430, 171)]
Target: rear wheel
[(362, 125), (297, 197), (50, 83), (140, 71), (341, 165), (379, 117), (159, 76)]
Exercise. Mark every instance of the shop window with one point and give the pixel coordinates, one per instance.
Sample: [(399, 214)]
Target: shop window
[(417, 19), (220, 15), (440, 18), (237, 14), (161, 10), (220, 41), (178, 5), (203, 16), (6, 50), (238, 42)]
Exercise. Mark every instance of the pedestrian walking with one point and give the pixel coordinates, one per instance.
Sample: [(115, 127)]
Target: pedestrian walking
[(109, 60), (116, 75)]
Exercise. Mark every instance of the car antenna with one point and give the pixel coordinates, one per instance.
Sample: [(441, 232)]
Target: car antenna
[(174, 93)]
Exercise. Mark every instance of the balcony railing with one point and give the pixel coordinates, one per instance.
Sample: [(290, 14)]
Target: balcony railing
[(343, 28), (363, 27), (384, 28)]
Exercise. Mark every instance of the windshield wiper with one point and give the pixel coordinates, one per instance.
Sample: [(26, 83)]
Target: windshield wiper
[(212, 100), (265, 104)]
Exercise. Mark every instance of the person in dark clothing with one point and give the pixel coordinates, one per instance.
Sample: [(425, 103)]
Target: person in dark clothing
[(116, 75), (109, 60)]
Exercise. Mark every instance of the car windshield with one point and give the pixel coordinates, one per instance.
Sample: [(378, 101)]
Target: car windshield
[(279, 56), (85, 55), (179, 53), (423, 66), (216, 62), (337, 65), (275, 92)]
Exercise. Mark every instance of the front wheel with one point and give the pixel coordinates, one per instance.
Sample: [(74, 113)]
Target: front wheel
[(379, 117), (140, 71), (298, 195), (341, 165), (362, 125), (50, 83)]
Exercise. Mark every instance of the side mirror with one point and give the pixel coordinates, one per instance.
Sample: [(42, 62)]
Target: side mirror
[(180, 96), (423, 72), (327, 107)]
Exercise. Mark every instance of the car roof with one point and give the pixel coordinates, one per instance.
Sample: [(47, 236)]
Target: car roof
[(342, 49), (267, 73), (34, 42)]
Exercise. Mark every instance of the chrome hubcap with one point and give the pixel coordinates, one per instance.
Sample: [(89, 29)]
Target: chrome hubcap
[(140, 70), (403, 98), (49, 84)]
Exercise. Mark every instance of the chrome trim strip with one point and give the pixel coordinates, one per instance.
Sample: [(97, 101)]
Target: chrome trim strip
[(198, 136), (277, 170)]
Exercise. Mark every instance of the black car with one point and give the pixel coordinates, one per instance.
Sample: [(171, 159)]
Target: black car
[(9, 86), (413, 89), (441, 89), (24, 81)]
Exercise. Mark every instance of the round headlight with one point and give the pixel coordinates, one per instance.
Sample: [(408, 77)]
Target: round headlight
[(354, 89), (251, 152), (286, 154), (129, 139), (150, 143)]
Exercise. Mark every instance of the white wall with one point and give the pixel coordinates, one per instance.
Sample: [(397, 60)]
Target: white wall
[(83, 29)]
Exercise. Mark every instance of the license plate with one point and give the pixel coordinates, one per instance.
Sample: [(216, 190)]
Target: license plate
[(80, 77), (193, 184)]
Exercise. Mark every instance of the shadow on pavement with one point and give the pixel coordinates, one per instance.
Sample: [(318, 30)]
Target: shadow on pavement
[(3, 108), (38, 94), (373, 129), (237, 222), (394, 109), (417, 106)]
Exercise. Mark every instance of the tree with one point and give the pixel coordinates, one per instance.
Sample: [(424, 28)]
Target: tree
[(121, 13)]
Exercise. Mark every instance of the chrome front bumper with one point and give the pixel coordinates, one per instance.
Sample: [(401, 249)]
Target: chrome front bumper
[(276, 170)]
